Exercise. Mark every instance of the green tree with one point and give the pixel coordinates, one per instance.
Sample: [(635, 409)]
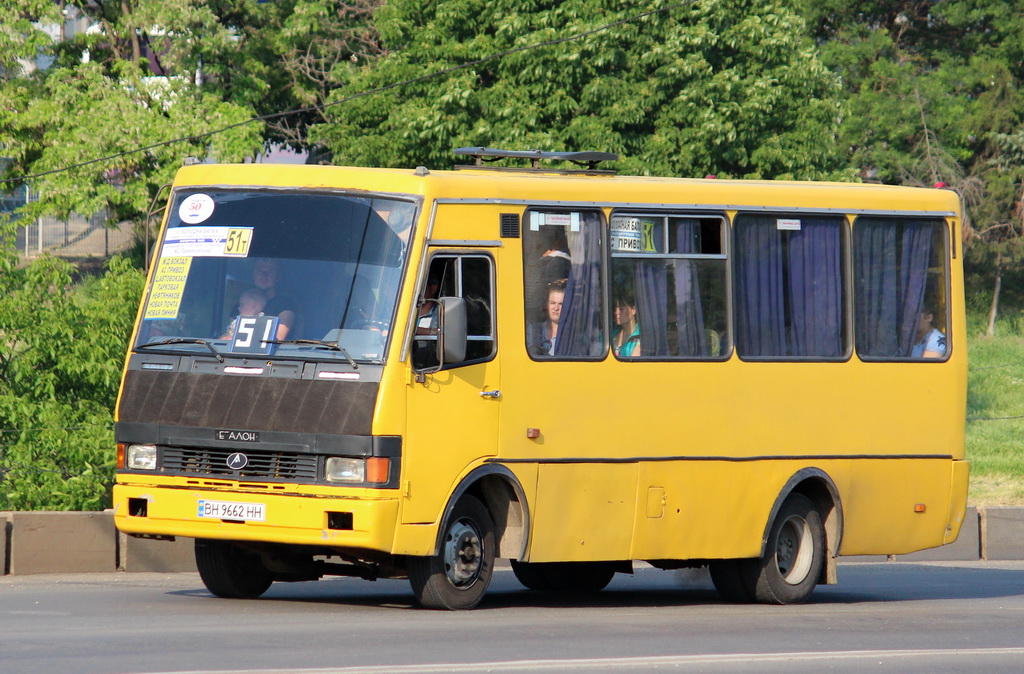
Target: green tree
[(61, 353), (100, 98), (152, 72), (727, 87), (934, 95)]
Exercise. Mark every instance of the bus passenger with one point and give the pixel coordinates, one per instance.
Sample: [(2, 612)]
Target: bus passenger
[(540, 336), (264, 277), (250, 303), (553, 263), (626, 336), (929, 342)]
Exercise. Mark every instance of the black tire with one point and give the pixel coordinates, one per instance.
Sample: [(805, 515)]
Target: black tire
[(579, 576), (729, 577), (532, 575), (458, 575), (788, 571), (230, 570)]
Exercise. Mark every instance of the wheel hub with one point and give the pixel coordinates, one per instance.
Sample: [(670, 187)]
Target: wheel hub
[(462, 554), (793, 553)]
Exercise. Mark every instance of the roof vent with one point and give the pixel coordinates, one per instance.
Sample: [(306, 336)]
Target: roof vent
[(589, 160)]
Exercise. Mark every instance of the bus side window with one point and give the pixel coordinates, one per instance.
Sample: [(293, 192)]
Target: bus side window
[(900, 287), (668, 286), (562, 282), (470, 277), (790, 295)]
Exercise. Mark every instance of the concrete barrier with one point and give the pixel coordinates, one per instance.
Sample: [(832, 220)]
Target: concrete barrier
[(5, 536), (62, 542), (146, 554), (1002, 533), (87, 542)]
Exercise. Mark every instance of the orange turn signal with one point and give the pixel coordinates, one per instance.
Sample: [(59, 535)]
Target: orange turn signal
[(120, 455), (377, 469), (919, 508)]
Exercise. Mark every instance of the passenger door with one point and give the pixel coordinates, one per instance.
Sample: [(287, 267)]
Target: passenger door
[(452, 412)]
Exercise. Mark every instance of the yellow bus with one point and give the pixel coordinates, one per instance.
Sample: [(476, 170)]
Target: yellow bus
[(410, 373)]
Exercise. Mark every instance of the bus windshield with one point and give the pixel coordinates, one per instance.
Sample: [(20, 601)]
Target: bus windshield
[(288, 273)]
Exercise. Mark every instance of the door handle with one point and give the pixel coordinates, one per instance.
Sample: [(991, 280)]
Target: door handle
[(490, 394)]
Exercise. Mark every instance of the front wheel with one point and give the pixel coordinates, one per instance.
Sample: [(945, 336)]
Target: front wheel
[(231, 571), (458, 575), (789, 569)]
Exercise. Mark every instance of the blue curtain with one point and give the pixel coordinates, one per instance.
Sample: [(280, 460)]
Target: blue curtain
[(891, 271), (579, 331), (876, 312), (814, 257), (789, 288), (760, 299), (917, 248), (689, 311), (650, 284)]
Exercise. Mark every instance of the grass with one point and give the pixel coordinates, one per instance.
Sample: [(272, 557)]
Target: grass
[(995, 412)]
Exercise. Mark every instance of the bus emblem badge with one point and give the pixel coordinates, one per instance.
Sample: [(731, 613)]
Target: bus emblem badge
[(237, 461)]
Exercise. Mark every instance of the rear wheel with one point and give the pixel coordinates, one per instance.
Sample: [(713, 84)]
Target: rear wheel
[(579, 576), (789, 569), (729, 577), (229, 570), (531, 575), (458, 575)]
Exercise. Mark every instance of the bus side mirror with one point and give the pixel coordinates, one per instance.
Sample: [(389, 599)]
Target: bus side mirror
[(452, 337)]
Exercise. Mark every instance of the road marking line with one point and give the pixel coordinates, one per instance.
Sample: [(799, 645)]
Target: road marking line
[(643, 661)]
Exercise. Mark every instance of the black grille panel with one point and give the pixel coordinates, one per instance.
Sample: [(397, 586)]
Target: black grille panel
[(262, 465)]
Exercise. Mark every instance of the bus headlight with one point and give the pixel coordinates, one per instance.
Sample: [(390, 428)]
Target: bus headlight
[(339, 469), (141, 457)]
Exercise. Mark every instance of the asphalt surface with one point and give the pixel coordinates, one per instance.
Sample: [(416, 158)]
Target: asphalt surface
[(882, 616)]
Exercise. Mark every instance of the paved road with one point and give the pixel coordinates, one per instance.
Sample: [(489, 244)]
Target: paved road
[(891, 617)]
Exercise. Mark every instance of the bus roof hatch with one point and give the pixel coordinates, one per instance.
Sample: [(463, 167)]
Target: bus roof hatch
[(590, 160)]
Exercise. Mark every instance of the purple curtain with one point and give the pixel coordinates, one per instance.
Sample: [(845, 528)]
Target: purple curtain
[(789, 288), (579, 331), (917, 248), (891, 275), (760, 300), (689, 311), (816, 288), (875, 310), (650, 283)]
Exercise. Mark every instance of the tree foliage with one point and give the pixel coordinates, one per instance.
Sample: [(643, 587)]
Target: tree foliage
[(728, 87), (61, 353), (934, 95), (150, 82)]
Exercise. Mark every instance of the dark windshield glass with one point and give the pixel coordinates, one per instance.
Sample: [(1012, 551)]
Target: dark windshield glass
[(241, 270)]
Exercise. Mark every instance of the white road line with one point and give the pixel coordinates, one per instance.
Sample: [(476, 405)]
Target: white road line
[(633, 662)]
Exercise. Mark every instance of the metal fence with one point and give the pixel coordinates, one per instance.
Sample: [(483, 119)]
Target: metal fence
[(74, 237)]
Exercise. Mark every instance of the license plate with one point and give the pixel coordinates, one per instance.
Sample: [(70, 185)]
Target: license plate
[(230, 510)]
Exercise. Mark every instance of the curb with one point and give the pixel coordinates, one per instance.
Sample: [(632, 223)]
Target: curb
[(36, 542)]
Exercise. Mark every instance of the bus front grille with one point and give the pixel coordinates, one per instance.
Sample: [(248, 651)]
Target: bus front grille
[(260, 465)]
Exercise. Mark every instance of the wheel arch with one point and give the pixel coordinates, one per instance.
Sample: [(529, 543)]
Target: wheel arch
[(819, 487), (499, 490)]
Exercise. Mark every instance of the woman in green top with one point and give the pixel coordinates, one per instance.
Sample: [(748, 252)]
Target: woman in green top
[(626, 336)]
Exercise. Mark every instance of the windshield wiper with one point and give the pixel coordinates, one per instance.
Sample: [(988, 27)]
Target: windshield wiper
[(184, 340), (333, 346)]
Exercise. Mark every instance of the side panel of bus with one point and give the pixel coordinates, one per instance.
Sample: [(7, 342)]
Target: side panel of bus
[(451, 425)]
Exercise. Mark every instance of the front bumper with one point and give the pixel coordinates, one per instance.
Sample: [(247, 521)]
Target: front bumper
[(295, 518)]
